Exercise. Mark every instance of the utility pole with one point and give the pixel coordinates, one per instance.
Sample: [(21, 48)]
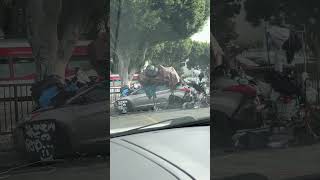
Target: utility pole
[(267, 41), (304, 48)]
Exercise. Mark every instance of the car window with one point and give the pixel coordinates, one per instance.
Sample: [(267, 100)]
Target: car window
[(23, 67), (140, 91), (4, 68), (162, 88)]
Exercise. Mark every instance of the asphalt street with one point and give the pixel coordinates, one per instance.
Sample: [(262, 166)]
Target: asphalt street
[(77, 170), (273, 163), (146, 118)]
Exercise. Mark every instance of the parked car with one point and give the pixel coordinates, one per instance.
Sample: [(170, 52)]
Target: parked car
[(138, 100), (180, 149), (79, 125)]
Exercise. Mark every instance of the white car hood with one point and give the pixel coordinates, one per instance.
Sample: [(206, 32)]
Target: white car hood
[(185, 148)]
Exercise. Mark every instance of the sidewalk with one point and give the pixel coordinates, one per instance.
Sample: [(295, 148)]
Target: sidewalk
[(275, 163), (6, 143), (8, 157)]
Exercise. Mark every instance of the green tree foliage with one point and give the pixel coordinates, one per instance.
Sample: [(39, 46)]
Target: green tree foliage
[(223, 26), (143, 24), (199, 57), (170, 53), (177, 52), (292, 12)]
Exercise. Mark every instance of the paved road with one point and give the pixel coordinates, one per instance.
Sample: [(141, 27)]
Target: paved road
[(78, 170), (145, 118), (276, 164)]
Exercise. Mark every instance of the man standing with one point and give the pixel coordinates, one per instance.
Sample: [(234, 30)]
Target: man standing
[(98, 52)]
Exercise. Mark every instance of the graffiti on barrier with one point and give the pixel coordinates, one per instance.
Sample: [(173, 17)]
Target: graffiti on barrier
[(39, 139)]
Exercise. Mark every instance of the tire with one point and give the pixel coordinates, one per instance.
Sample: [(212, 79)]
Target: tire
[(175, 102), (130, 107), (204, 102), (162, 103)]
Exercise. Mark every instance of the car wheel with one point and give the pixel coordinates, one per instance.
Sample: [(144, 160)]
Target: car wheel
[(175, 101), (162, 103)]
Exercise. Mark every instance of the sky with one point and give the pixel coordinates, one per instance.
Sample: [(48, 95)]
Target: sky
[(204, 34)]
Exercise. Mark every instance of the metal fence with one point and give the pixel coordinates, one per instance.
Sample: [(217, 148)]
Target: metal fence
[(114, 94), (15, 103)]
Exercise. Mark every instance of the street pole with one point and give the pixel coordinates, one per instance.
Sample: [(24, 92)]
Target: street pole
[(117, 29), (267, 39), (304, 48)]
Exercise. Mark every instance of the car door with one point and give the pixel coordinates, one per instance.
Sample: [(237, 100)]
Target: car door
[(140, 99), (163, 92), (90, 110)]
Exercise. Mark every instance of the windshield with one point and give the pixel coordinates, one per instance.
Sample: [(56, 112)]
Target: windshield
[(155, 52)]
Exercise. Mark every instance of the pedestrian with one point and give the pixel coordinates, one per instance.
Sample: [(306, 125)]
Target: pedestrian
[(98, 52)]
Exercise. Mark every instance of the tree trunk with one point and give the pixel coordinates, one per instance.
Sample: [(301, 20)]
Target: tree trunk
[(51, 53), (42, 32), (123, 67)]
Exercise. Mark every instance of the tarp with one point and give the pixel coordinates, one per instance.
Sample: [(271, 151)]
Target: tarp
[(170, 75), (166, 75)]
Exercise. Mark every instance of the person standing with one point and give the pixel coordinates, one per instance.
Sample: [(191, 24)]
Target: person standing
[(98, 52)]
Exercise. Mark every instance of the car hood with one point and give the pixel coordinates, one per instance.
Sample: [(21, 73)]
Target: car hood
[(184, 152)]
